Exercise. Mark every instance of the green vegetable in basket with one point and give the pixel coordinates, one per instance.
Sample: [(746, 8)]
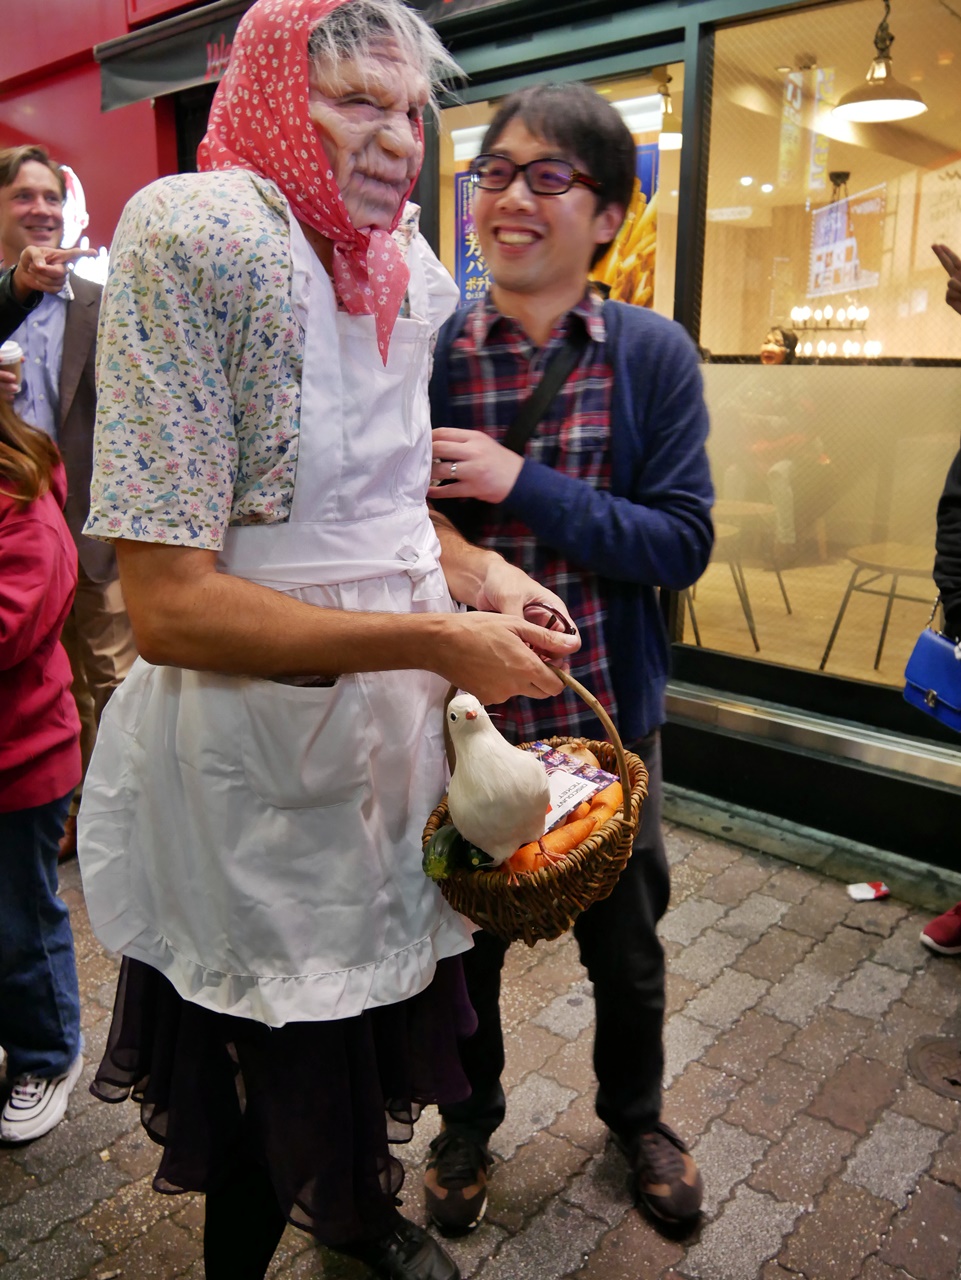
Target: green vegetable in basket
[(448, 851)]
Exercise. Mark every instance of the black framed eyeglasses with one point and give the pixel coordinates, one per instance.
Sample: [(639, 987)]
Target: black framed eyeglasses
[(548, 177)]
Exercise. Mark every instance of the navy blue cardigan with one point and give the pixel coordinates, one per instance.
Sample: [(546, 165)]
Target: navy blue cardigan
[(653, 528)]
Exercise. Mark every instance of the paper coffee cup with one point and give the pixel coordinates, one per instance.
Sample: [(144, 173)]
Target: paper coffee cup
[(11, 359)]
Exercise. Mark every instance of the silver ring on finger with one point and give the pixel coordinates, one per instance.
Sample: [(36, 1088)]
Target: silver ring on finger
[(453, 470)]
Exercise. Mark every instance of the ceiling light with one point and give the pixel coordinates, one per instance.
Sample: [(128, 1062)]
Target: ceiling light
[(767, 187), (670, 137), (746, 181), (881, 97)]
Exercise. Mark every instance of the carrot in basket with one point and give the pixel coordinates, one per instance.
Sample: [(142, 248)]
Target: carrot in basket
[(550, 847), (582, 810), (612, 796)]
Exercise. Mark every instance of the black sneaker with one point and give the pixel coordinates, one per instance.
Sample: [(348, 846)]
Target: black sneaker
[(405, 1253), (455, 1184), (665, 1179)]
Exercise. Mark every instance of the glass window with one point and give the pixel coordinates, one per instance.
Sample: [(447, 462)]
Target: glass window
[(640, 266), (833, 376)]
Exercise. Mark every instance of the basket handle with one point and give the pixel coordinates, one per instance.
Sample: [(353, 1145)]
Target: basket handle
[(598, 710), (613, 735)]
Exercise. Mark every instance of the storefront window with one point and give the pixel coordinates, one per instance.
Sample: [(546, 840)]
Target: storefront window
[(834, 366), (640, 267)]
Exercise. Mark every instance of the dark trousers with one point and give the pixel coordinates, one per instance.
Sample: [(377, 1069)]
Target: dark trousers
[(625, 961)]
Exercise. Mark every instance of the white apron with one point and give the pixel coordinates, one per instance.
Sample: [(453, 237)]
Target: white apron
[(257, 842)]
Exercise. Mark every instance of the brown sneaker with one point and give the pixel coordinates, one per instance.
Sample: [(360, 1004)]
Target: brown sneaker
[(665, 1179), (68, 841), (455, 1184)]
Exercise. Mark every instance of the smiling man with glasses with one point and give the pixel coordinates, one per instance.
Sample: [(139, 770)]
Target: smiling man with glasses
[(610, 499)]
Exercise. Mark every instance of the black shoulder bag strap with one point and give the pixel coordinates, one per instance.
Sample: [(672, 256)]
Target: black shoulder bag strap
[(469, 514), (560, 367)]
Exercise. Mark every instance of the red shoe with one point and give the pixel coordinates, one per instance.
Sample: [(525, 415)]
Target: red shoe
[(68, 841), (944, 933)]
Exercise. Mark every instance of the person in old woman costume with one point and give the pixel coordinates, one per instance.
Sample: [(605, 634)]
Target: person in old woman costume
[(291, 990)]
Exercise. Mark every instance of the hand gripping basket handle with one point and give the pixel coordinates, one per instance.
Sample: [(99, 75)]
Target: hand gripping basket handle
[(595, 706)]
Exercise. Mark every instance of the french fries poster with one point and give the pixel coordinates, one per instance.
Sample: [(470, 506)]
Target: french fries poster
[(625, 273)]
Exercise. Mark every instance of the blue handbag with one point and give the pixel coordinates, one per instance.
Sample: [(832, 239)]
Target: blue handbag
[(933, 676)]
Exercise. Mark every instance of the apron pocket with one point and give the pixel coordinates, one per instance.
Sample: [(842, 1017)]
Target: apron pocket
[(303, 747)]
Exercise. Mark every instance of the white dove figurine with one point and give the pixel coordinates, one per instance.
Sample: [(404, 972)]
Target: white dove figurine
[(498, 795)]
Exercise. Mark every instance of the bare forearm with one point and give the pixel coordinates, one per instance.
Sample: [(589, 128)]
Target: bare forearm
[(186, 614), (465, 566)]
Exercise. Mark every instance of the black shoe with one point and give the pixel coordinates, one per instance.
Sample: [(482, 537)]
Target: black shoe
[(406, 1253), (455, 1184), (664, 1177)]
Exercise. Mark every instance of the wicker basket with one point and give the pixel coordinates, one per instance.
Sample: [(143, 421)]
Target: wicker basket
[(543, 904)]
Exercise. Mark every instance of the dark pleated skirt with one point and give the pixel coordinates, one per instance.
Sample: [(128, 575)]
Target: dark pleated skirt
[(313, 1103)]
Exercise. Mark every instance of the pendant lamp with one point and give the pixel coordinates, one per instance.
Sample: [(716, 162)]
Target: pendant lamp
[(670, 137), (881, 97)]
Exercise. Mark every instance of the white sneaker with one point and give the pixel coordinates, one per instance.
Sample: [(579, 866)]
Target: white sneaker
[(36, 1106)]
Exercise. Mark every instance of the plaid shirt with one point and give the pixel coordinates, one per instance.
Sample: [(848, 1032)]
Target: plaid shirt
[(493, 368)]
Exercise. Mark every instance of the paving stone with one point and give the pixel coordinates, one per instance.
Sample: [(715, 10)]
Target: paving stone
[(68, 1254), (924, 1105), (556, 1243), (737, 882), (947, 1162), (799, 995), (470, 1252), (818, 914), (520, 1002), (128, 1214), (602, 1189), (935, 987), (685, 922), (890, 1040), (890, 1160), (721, 1004), (832, 1242), (745, 1048), (536, 1173), (749, 1231), (799, 1166), (856, 1094), (569, 1014), (702, 961), (769, 1105), (580, 1126), (534, 1104), (559, 970), (775, 954), (685, 1039), (925, 1240), (677, 992), (714, 856), (840, 953), (527, 1050), (633, 1250), (14, 1183), (686, 879), (827, 1040), (163, 1251), (696, 1098), (880, 916), (725, 1155), (93, 1129), (572, 1065), (35, 1216), (872, 990), (791, 884), (875, 1269), (903, 949)]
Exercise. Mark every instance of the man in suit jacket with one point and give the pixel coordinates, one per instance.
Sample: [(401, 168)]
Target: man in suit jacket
[(53, 316)]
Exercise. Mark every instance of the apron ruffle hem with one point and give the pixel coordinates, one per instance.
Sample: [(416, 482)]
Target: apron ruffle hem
[(305, 1102)]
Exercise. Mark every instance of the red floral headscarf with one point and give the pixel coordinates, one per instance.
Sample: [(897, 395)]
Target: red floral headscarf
[(259, 120)]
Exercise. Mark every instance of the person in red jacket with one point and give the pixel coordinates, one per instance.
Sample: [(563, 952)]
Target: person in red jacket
[(39, 768)]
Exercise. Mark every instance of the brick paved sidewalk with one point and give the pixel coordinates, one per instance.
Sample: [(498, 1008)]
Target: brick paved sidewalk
[(791, 1013)]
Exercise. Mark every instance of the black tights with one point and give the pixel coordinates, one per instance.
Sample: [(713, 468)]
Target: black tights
[(242, 1227)]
